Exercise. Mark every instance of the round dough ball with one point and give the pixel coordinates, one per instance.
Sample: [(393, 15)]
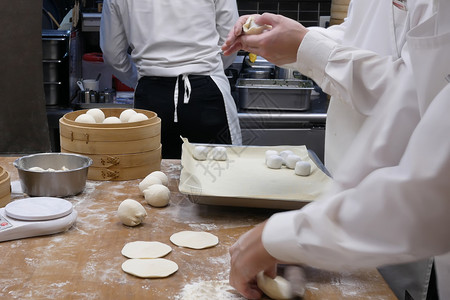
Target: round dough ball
[(302, 168), (274, 162), (284, 154), (131, 212), (194, 239), (157, 195), (275, 288), (126, 114), (201, 152), (163, 177), (36, 169), (137, 118), (98, 114), (85, 118), (219, 153), (142, 249), (149, 268), (111, 120), (291, 160), (271, 152), (148, 181)]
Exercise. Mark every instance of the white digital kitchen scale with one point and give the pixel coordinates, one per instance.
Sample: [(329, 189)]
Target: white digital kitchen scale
[(35, 216)]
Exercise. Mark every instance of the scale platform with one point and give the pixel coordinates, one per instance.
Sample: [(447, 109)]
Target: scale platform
[(35, 216)]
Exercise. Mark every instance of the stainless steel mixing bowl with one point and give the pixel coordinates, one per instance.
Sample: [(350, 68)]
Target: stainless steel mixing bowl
[(58, 183)]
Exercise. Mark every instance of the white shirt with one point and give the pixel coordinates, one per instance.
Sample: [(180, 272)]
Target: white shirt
[(355, 80), (167, 38)]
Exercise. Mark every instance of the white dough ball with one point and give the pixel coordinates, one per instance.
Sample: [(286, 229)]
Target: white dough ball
[(291, 160), (131, 212), (98, 114), (303, 168), (148, 181), (163, 177), (275, 288), (274, 162), (36, 169), (126, 114), (85, 118), (284, 154), (157, 195), (219, 153), (201, 152), (137, 118), (271, 152), (111, 120)]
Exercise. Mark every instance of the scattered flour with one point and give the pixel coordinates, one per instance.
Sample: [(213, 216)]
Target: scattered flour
[(217, 290)]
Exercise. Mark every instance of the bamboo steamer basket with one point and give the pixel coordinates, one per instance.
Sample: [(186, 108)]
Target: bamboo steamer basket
[(121, 151), (338, 11), (5, 187)]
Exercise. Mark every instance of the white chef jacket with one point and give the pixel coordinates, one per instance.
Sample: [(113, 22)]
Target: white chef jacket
[(170, 38), (378, 26), (391, 198)]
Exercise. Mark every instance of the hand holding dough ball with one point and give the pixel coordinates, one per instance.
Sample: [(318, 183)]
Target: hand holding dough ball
[(275, 288), (131, 212), (98, 114), (274, 162), (200, 152), (148, 181), (163, 177), (137, 118), (219, 153), (303, 168), (111, 120), (291, 160), (85, 118), (157, 195), (126, 114)]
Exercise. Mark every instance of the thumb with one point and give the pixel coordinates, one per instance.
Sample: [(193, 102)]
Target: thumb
[(271, 271), (266, 19)]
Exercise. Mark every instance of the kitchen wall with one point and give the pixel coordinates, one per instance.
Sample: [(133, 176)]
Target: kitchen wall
[(307, 12)]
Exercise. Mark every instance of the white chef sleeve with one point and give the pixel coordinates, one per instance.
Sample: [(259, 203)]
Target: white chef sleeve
[(114, 44), (395, 214), (226, 16)]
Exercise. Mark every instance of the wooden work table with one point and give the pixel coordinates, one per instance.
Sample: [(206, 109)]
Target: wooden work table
[(85, 261)]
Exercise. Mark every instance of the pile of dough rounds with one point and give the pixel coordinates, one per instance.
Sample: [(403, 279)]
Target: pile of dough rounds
[(202, 153), (275, 160), (131, 212), (96, 116), (155, 190)]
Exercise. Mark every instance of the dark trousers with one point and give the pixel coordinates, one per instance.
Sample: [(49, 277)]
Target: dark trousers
[(202, 120)]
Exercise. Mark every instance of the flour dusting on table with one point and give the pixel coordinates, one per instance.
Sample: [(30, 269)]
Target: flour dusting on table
[(217, 290)]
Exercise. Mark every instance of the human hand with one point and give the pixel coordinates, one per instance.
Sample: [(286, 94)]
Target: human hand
[(248, 258), (278, 45)]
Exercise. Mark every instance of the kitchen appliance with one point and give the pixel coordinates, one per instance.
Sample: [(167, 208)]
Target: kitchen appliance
[(37, 216)]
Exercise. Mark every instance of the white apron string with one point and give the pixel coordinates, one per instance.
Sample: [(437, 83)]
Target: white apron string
[(187, 94)]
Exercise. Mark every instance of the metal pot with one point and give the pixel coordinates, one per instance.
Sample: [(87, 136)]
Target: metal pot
[(257, 73), (283, 73)]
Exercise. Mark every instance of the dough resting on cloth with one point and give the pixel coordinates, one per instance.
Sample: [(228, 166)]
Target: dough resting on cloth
[(143, 249), (194, 239), (149, 268)]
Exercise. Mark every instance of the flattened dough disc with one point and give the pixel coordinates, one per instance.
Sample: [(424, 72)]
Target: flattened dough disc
[(142, 249), (194, 239), (38, 208), (149, 268)]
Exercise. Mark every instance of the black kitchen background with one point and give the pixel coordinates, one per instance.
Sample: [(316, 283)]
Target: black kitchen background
[(27, 122)]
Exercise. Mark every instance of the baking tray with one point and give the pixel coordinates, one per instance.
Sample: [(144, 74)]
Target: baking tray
[(274, 94), (244, 180)]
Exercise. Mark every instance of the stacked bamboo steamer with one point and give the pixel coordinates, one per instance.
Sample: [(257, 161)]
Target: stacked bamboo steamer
[(122, 151), (338, 11), (5, 187)]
